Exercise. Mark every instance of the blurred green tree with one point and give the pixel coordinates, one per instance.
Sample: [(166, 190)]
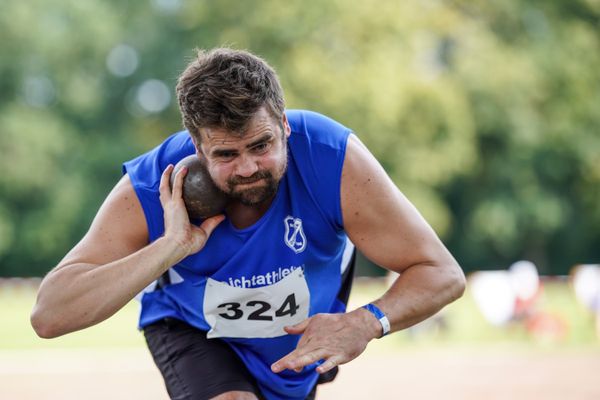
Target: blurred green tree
[(486, 115)]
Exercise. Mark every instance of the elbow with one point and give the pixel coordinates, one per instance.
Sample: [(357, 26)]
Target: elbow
[(43, 326), (458, 282)]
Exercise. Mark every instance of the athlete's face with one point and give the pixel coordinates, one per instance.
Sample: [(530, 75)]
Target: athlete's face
[(248, 168)]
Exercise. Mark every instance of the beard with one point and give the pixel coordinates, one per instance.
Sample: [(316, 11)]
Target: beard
[(256, 195)]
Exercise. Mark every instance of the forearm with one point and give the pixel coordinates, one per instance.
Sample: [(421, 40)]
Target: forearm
[(420, 292), (79, 295)]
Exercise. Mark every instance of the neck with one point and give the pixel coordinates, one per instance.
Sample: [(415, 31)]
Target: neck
[(243, 216)]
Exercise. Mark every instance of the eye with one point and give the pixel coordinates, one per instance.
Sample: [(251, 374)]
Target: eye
[(261, 147)]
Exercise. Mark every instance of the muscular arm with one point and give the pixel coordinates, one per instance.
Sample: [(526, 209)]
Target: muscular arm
[(113, 262), (388, 230)]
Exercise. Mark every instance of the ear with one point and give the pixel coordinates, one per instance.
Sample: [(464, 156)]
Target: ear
[(286, 126)]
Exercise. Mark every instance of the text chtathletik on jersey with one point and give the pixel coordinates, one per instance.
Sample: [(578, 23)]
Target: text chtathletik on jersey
[(263, 280)]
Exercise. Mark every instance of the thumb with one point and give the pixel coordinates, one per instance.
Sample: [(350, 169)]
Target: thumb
[(298, 328), (209, 224)]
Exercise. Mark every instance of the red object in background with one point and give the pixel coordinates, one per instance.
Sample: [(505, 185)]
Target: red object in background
[(525, 307), (545, 326)]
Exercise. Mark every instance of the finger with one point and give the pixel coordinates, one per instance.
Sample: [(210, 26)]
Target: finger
[(298, 359), (307, 359), (164, 186), (298, 328), (329, 364), (209, 224), (178, 183), (284, 363)]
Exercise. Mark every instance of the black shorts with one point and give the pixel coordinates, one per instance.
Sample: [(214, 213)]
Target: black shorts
[(193, 366), (197, 368)]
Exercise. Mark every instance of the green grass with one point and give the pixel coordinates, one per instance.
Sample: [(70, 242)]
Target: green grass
[(464, 325), (16, 332)]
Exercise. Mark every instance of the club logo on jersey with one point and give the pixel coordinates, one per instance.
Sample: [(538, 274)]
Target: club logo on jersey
[(294, 234)]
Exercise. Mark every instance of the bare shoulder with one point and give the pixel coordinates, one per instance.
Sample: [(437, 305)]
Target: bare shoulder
[(118, 229), (379, 219)]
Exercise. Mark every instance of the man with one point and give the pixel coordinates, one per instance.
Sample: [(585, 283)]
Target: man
[(250, 305)]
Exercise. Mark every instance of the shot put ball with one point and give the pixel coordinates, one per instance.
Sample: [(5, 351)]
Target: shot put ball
[(201, 197)]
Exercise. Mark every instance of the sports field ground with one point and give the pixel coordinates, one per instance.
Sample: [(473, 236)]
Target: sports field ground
[(456, 356)]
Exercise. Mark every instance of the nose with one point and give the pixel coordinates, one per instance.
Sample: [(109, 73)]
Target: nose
[(246, 166)]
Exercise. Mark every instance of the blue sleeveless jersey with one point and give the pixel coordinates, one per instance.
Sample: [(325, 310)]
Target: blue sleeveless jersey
[(245, 284)]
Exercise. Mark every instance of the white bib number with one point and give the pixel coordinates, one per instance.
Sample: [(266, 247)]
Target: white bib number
[(256, 312)]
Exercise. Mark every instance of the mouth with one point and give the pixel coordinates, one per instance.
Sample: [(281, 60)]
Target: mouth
[(249, 184)]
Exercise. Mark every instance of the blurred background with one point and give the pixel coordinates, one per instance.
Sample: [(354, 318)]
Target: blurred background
[(485, 114)]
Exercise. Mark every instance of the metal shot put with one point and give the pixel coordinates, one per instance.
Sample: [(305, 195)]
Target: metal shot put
[(201, 197)]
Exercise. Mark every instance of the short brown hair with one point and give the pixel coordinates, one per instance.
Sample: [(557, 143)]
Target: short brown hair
[(223, 88)]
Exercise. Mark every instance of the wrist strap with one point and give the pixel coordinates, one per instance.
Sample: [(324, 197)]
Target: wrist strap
[(383, 320)]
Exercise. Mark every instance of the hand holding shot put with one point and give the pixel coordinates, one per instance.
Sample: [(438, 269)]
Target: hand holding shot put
[(179, 208), (254, 308)]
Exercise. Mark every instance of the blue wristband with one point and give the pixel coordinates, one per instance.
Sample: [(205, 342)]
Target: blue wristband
[(385, 323)]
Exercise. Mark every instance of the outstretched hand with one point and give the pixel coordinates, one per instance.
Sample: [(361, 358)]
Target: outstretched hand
[(334, 338), (191, 238)]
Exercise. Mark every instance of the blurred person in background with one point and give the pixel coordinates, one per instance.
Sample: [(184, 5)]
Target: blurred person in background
[(251, 304), (585, 281)]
